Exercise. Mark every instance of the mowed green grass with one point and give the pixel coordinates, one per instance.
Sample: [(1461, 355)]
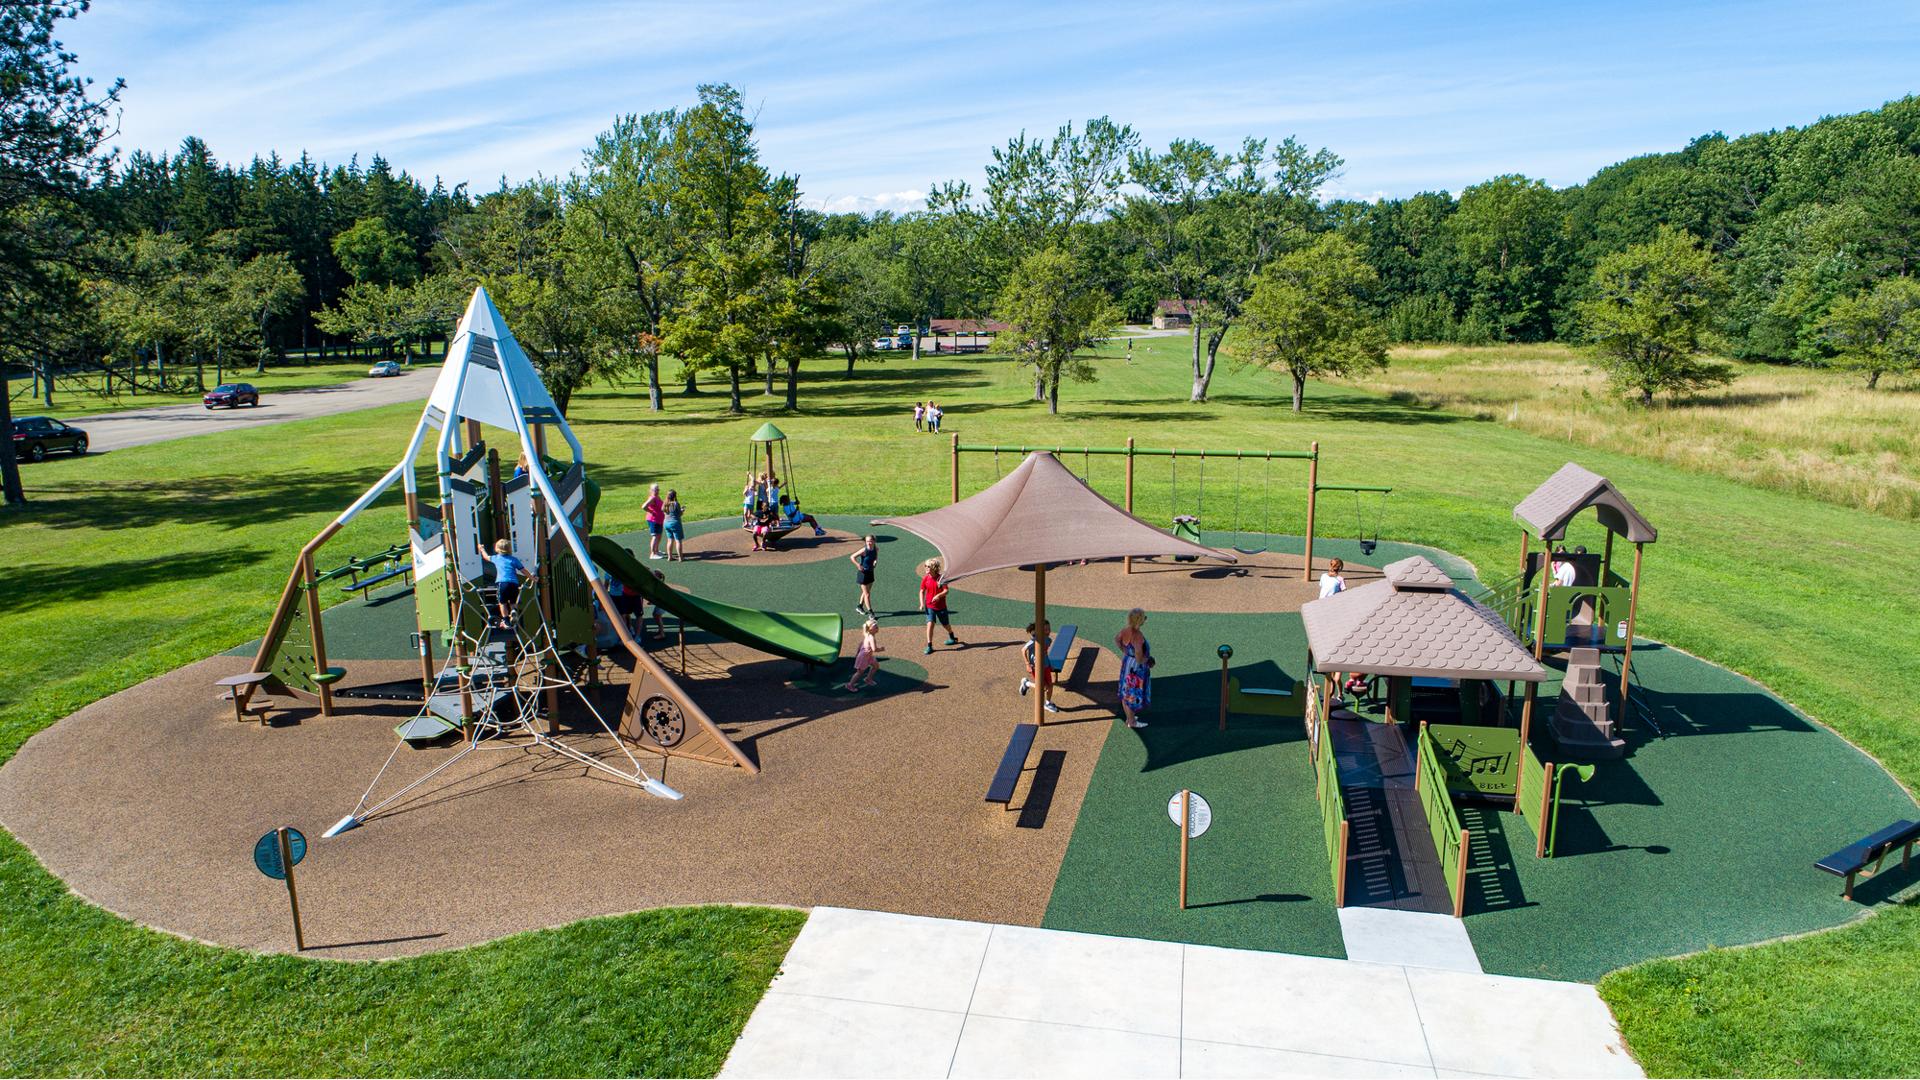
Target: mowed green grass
[(133, 563)]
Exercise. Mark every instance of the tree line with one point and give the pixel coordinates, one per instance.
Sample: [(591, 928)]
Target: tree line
[(673, 254)]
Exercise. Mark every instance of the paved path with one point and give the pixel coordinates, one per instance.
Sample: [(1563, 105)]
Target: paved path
[(874, 994), (136, 427)]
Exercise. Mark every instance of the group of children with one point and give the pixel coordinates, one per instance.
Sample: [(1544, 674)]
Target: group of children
[(926, 416), (933, 603), (767, 512)]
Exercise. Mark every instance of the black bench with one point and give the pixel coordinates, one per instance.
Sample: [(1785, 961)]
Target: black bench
[(405, 569), (1012, 764), (1850, 861), (1062, 641)]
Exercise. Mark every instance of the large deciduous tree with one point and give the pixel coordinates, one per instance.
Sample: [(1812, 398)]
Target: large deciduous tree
[(1308, 315), (1053, 314), (52, 128), (1876, 331), (1649, 315)]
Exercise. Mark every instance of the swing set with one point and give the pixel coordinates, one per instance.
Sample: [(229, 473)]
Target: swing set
[(1369, 500)]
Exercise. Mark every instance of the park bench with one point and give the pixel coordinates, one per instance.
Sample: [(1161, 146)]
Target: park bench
[(1851, 861), (1012, 764), (1062, 643)]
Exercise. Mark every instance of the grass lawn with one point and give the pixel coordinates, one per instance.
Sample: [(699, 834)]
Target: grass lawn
[(1804, 430), (133, 563)]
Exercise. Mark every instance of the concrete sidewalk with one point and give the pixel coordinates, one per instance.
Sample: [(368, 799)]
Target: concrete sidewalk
[(875, 994)]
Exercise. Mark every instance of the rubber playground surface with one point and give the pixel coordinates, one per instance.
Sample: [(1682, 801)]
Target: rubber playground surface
[(148, 802)]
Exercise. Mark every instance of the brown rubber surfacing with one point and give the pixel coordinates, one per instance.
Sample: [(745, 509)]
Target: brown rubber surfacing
[(148, 803), (1263, 582)]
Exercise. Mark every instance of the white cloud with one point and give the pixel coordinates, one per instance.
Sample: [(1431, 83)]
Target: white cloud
[(898, 202)]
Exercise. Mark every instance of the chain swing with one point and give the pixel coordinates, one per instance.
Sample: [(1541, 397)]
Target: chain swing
[(1187, 526)]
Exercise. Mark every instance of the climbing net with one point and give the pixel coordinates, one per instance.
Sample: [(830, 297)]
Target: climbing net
[(495, 688)]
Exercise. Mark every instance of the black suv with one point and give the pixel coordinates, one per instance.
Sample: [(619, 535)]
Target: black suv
[(34, 436)]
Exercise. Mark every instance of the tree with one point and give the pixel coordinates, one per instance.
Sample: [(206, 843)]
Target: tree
[(52, 128), (1510, 235), (1246, 209), (725, 319), (627, 226), (1876, 331), (374, 254), (1308, 315), (386, 314), (1053, 314), (1649, 315)]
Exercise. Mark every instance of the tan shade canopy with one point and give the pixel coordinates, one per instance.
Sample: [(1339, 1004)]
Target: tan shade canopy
[(1572, 489), (1038, 513), (1414, 622)]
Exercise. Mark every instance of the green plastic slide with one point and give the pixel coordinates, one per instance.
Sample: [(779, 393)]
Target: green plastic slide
[(812, 639)]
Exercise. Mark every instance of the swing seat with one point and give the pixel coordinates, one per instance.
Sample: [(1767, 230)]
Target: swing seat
[(1188, 529)]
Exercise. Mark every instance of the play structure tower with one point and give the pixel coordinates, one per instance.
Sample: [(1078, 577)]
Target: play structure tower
[(489, 380), (1593, 615)]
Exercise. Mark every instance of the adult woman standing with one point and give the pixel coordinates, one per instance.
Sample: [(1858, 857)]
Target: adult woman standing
[(1136, 668)]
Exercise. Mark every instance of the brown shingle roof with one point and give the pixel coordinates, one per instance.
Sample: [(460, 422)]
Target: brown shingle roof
[(1413, 622), (1175, 307), (1573, 489), (967, 326), (1038, 513)]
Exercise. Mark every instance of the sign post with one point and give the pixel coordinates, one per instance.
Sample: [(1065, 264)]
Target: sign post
[(276, 853), (1226, 654), (1191, 812)]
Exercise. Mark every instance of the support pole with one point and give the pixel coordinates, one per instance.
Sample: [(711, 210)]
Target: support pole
[(455, 611), (1526, 714), (312, 586), (1044, 677), (293, 898), (1540, 616), (1128, 561), (1313, 498), (543, 558), (426, 664), (1186, 824), (1225, 658), (956, 467), (1524, 537), (1633, 612)]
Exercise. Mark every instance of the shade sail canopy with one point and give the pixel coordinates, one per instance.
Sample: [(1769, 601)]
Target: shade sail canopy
[(1572, 489), (1040, 513), (1414, 622)]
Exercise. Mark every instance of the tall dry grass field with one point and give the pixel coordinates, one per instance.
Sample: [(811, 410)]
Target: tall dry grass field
[(1817, 433)]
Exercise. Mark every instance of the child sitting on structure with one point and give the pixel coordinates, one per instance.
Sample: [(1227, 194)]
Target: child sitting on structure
[(764, 523), (1030, 652), (790, 515), (507, 572), (867, 660)]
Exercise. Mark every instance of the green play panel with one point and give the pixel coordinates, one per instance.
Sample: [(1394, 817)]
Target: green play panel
[(1705, 835)]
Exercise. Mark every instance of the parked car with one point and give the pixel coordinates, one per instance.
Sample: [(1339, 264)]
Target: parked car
[(385, 369), (34, 437), (884, 343), (232, 395), (903, 337)]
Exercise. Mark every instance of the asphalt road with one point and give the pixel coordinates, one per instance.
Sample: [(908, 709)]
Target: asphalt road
[(137, 427)]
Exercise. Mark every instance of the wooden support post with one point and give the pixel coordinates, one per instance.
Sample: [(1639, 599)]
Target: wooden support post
[(1540, 616), (473, 433), (1043, 677), (312, 585), (293, 898), (1186, 825), (426, 664), (1460, 874), (1524, 537), (543, 558), (1313, 498), (683, 645), (1526, 714), (1633, 612), (1606, 558), (956, 467), (1128, 561), (1340, 887)]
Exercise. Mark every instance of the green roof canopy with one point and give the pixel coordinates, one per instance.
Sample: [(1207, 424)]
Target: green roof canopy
[(767, 433)]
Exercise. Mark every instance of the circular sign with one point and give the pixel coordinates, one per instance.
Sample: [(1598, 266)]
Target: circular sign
[(1199, 814), (266, 852)]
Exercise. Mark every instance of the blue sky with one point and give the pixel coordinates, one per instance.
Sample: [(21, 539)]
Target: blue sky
[(871, 102)]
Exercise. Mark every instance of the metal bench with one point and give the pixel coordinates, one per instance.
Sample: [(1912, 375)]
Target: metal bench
[(1851, 861), (404, 569), (1012, 764), (1062, 642)]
